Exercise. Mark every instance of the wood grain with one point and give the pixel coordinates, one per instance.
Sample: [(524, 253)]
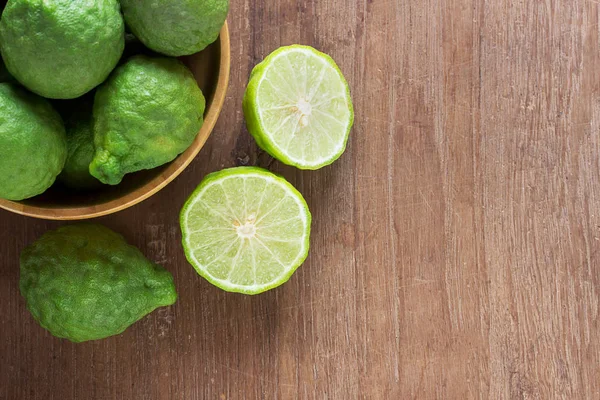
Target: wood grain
[(455, 248)]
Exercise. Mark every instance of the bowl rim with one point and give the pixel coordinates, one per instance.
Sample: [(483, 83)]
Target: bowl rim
[(157, 183)]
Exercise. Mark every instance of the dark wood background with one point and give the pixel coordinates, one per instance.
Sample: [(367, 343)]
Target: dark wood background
[(455, 244)]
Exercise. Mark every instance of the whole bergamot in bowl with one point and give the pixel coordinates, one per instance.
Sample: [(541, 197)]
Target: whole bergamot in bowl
[(147, 113), (176, 27), (33, 144), (61, 49), (84, 282)]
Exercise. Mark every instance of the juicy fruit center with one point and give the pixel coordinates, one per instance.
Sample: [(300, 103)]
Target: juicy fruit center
[(247, 230), (303, 110)]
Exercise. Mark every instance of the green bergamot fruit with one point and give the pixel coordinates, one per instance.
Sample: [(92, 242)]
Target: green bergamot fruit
[(61, 49), (33, 145), (148, 112), (176, 27), (84, 282)]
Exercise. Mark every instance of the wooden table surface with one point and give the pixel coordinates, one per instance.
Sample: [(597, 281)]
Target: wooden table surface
[(455, 244)]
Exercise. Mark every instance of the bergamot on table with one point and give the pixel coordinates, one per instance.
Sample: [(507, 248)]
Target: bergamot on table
[(245, 229), (298, 107), (84, 282)]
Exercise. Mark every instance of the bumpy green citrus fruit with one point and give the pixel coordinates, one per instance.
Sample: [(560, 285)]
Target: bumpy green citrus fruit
[(84, 282), (33, 144), (176, 27), (148, 111), (80, 146), (61, 49)]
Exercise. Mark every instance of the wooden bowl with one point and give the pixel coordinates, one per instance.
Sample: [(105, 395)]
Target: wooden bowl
[(211, 69)]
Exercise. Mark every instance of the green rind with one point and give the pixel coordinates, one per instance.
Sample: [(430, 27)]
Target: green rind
[(85, 282), (33, 144), (252, 114), (238, 171), (148, 112), (61, 49), (176, 27)]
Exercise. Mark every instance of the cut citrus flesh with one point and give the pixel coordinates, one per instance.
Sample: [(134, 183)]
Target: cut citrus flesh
[(245, 229), (298, 107)]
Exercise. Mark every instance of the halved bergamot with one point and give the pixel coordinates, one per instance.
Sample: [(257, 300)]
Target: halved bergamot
[(245, 229), (298, 107)]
